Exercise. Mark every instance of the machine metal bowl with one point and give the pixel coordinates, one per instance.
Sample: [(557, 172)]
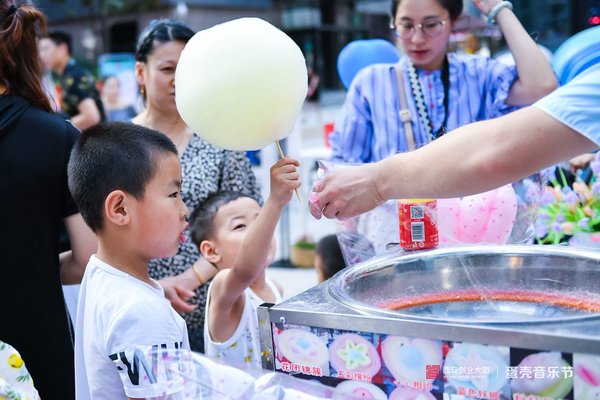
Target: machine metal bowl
[(475, 285)]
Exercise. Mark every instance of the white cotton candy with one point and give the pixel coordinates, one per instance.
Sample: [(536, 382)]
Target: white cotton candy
[(240, 85)]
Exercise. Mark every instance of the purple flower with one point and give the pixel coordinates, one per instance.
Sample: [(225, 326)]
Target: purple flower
[(543, 217), (556, 227), (584, 223), (595, 166), (560, 218), (541, 230), (596, 189), (571, 198), (548, 198)]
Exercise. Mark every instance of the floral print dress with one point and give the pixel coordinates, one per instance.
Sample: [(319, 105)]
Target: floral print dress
[(15, 381)]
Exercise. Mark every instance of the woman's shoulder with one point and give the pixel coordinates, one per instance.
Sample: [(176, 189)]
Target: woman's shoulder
[(54, 124), (375, 71)]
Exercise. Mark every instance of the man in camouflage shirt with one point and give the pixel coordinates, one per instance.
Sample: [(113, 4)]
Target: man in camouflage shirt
[(80, 100)]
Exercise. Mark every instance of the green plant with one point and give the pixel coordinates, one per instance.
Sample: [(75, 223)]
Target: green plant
[(305, 244)]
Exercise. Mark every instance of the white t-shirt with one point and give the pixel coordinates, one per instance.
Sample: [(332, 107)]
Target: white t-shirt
[(577, 104), (243, 347), (126, 332)]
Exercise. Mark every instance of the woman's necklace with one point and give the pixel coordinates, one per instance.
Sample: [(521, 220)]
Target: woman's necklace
[(419, 97)]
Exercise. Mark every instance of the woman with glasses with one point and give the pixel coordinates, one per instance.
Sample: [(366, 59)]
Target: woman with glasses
[(205, 168), (396, 108)]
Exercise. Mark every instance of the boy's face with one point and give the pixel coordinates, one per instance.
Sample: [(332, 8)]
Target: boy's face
[(160, 217), (232, 223)]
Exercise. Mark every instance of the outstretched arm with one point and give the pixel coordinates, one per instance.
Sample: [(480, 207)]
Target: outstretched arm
[(252, 258), (536, 78), (473, 159)]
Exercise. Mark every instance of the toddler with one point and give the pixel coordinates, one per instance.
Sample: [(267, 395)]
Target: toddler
[(234, 233)]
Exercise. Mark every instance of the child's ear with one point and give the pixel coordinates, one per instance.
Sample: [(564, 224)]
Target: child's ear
[(115, 207), (209, 251)]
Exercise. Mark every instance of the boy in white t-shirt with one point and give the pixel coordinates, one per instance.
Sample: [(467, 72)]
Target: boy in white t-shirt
[(126, 181), (237, 236)]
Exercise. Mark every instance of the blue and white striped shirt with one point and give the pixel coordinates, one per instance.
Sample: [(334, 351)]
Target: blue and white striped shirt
[(369, 127)]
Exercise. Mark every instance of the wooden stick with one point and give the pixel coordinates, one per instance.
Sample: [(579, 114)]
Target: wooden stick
[(283, 156)]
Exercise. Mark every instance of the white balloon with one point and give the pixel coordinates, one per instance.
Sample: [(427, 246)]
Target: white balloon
[(240, 85)]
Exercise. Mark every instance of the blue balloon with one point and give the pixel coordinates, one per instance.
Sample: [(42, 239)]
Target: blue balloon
[(361, 53), (576, 54)]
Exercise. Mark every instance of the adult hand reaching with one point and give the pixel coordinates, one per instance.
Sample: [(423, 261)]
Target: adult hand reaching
[(346, 193), (178, 290)]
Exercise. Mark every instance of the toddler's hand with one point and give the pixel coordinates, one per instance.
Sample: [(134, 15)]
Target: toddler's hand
[(284, 179)]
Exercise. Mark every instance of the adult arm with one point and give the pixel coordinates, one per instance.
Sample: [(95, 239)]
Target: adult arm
[(83, 245), (535, 75), (180, 288), (473, 159), (88, 115)]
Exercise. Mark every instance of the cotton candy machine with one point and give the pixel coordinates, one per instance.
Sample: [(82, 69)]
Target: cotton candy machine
[(524, 285), (489, 322)]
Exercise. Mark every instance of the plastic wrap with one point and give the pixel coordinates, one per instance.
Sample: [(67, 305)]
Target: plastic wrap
[(186, 375), (502, 216)]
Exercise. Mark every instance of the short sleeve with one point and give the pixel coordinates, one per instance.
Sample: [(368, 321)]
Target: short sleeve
[(499, 79), (577, 104), (143, 341), (81, 87)]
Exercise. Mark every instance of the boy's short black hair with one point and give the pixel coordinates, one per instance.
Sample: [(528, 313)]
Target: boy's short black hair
[(330, 252), (113, 156), (203, 217), (59, 37)]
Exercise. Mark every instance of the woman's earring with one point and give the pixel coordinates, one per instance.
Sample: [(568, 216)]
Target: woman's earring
[(143, 91)]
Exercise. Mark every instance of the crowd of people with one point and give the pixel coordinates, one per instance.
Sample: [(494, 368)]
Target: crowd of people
[(170, 236)]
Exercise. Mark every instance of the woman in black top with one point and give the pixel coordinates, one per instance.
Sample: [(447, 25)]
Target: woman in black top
[(34, 151)]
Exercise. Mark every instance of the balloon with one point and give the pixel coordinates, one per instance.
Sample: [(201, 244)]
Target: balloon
[(576, 54), (482, 218), (362, 53), (241, 84)]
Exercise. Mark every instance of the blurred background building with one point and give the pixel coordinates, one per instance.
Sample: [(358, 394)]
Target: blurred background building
[(320, 27)]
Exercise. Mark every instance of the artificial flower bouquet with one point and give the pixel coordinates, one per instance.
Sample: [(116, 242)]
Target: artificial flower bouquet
[(571, 212)]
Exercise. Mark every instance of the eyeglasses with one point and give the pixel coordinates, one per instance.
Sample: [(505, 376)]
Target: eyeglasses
[(406, 30)]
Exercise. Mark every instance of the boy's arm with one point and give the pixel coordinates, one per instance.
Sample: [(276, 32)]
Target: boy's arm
[(254, 252)]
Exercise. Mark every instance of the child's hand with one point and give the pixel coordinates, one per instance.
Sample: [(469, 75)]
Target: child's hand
[(284, 179)]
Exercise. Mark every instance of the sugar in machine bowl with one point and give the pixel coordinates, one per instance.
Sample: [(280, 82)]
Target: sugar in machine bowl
[(476, 285)]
